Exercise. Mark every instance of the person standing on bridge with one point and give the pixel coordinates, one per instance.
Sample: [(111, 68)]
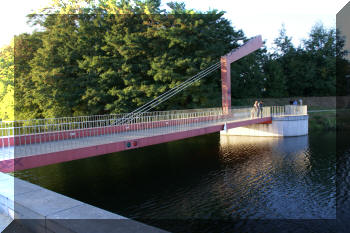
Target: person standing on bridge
[(260, 109), (254, 110)]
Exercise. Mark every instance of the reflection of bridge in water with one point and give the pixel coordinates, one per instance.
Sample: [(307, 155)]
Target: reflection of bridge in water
[(284, 145), (275, 171), (289, 148)]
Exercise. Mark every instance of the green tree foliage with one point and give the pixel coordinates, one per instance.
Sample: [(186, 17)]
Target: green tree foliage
[(26, 102), (275, 80), (111, 56), (308, 70), (7, 83), (57, 70), (320, 48), (107, 63), (283, 43), (342, 67), (163, 52), (247, 76)]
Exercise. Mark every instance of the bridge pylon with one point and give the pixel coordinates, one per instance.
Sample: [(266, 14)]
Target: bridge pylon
[(250, 46)]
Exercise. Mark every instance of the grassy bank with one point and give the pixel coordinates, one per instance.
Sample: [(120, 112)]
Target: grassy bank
[(329, 120), (343, 120), (322, 121)]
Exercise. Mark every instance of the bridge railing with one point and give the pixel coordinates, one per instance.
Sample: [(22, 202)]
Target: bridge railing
[(48, 125), (289, 110), (26, 132)]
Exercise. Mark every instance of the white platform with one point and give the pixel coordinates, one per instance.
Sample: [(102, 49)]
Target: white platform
[(285, 126)]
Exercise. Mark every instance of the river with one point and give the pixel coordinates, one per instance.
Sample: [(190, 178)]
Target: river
[(213, 179)]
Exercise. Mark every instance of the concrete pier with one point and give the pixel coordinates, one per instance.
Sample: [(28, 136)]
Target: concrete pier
[(283, 126), (43, 211)]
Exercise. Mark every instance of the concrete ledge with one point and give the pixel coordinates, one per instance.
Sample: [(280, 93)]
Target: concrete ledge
[(42, 210), (4, 222), (6, 195)]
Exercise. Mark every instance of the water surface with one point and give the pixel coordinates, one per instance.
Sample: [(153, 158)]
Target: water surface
[(208, 177)]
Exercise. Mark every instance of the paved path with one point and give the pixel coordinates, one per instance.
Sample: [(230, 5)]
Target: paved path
[(4, 222), (324, 110)]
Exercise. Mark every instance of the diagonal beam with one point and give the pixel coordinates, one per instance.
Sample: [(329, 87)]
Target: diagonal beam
[(250, 46)]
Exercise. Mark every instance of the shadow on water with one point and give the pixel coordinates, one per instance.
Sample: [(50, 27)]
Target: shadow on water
[(207, 181), (343, 181)]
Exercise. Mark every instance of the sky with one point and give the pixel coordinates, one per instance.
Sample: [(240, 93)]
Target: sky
[(254, 17)]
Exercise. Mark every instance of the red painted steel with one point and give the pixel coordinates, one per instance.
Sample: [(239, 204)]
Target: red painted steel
[(225, 85), (28, 162), (249, 47), (267, 122)]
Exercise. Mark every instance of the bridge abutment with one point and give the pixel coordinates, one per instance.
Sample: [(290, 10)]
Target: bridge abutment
[(281, 126)]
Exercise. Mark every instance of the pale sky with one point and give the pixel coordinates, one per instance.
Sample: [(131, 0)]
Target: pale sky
[(255, 17)]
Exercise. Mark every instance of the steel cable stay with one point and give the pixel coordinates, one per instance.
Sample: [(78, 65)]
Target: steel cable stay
[(173, 91), (181, 85), (155, 102), (168, 94)]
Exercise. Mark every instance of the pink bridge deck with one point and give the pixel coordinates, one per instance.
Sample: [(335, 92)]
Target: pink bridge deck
[(92, 132), (52, 152)]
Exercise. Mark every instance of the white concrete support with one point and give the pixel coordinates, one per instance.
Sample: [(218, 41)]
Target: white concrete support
[(283, 126)]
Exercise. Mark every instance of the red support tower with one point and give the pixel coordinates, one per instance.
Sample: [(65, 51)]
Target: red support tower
[(242, 51)]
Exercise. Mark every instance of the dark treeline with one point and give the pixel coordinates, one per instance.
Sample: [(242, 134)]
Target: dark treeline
[(98, 63)]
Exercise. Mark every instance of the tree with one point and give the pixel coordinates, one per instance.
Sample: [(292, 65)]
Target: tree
[(320, 48), (108, 63), (342, 67), (308, 70), (164, 51), (25, 47), (280, 78), (7, 83), (247, 76), (112, 56), (283, 43), (276, 85)]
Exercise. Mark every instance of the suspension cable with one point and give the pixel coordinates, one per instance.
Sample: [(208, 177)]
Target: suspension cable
[(173, 91)]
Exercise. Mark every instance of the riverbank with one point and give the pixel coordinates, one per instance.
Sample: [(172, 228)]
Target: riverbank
[(343, 117), (313, 103), (322, 120), (329, 120)]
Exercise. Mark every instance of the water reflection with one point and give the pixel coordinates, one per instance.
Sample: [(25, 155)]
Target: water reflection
[(270, 178), (207, 177), (268, 152), (280, 144)]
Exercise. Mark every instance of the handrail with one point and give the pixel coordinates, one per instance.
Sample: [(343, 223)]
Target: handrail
[(40, 126)]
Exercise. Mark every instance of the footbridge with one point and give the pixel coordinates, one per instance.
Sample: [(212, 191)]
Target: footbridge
[(33, 143)]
